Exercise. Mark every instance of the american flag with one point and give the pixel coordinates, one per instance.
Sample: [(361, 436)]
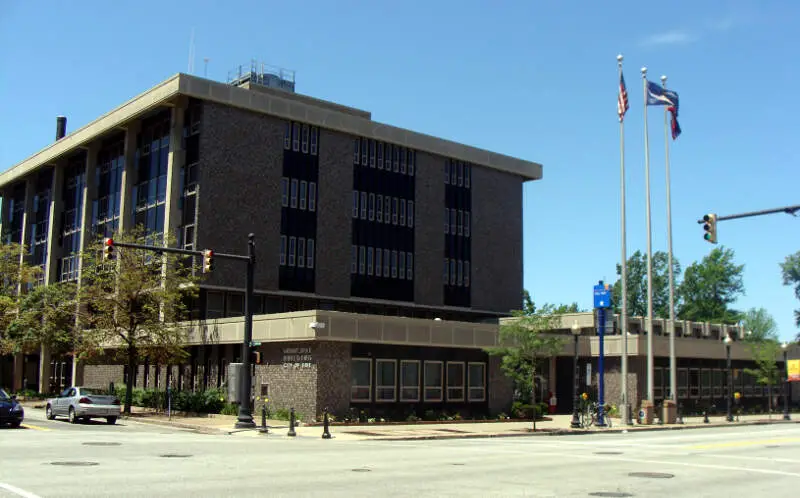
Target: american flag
[(622, 98)]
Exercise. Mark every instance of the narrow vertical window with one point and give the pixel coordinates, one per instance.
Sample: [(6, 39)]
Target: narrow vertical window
[(452, 272), (355, 203), (460, 222), (402, 212), (305, 139), (370, 261), (292, 250), (364, 148), (363, 205), (447, 171), (402, 265), (409, 266), (293, 200), (387, 204), (314, 140), (380, 155), (460, 174), (283, 250), (396, 156), (412, 160), (312, 196), (285, 192), (467, 169), (446, 221), (378, 262), (356, 151), (388, 158), (452, 222), (386, 263), (362, 259), (410, 215), (466, 273), (372, 147), (460, 280), (446, 273), (310, 253), (403, 160), (295, 136), (303, 194), (287, 136), (301, 252), (394, 264), (466, 223), (354, 260), (454, 173), (394, 210), (379, 214), (371, 207)]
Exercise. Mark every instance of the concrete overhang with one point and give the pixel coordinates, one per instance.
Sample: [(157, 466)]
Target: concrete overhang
[(281, 104)]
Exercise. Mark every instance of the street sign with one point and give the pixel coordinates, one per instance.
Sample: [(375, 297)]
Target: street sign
[(255, 344), (602, 295)]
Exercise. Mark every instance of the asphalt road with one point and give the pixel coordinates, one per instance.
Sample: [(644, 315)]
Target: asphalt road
[(143, 460)]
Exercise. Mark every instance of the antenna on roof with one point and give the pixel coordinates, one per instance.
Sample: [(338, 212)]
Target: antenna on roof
[(191, 52)]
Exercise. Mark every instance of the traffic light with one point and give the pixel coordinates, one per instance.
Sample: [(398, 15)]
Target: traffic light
[(108, 249), (208, 261), (710, 227)]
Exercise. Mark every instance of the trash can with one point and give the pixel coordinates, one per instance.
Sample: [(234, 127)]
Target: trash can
[(670, 412), (646, 413)]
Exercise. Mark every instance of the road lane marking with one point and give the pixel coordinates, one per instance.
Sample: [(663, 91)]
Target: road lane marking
[(17, 491), (35, 427), (749, 457), (737, 444)]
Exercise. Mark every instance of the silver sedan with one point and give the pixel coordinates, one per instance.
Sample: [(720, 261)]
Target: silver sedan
[(83, 403)]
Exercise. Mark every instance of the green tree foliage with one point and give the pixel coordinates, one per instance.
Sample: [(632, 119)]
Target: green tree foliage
[(13, 277), (525, 342), (637, 284), (790, 270), (134, 303), (710, 287), (761, 338), (46, 316)]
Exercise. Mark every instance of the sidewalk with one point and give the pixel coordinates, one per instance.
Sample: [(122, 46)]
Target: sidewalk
[(558, 425)]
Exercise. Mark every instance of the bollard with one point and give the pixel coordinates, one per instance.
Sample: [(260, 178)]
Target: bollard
[(169, 403), (291, 432), (705, 416), (264, 429), (326, 432)]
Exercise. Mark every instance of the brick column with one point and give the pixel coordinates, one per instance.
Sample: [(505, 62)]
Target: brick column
[(53, 225)]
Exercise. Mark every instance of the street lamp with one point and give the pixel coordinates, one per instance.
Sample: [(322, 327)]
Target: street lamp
[(727, 342), (576, 333), (785, 348)]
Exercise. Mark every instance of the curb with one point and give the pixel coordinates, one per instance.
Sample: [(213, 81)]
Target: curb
[(179, 425)]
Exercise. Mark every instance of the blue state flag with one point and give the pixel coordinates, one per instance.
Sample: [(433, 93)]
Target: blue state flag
[(658, 95)]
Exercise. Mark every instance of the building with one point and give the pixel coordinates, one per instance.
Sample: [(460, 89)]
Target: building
[(409, 245)]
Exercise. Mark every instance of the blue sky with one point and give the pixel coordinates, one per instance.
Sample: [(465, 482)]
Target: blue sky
[(536, 80)]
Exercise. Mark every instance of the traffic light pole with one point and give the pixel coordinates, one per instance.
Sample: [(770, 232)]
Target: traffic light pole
[(788, 210), (245, 418)]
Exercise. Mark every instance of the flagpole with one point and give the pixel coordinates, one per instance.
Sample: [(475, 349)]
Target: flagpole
[(673, 374), (623, 319), (649, 319)]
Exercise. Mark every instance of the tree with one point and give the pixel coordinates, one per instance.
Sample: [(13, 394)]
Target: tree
[(46, 315), (761, 338), (525, 342), (790, 270), (637, 285), (710, 287), (15, 275), (134, 304)]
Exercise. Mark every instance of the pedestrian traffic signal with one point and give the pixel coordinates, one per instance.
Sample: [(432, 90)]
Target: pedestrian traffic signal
[(208, 261), (108, 249), (710, 227), (256, 357)]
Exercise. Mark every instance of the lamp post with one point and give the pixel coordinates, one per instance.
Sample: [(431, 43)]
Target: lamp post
[(785, 348), (576, 333), (727, 342)]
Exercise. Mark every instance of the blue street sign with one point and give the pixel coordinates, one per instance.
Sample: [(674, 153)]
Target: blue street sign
[(602, 295)]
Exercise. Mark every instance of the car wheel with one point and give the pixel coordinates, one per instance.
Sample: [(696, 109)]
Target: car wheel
[(49, 413), (72, 418), (16, 424), (111, 420)]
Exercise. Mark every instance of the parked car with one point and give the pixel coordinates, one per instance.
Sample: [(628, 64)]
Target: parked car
[(83, 403), (11, 411)]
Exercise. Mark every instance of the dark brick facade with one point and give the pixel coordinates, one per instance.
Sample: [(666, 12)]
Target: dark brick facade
[(429, 230)]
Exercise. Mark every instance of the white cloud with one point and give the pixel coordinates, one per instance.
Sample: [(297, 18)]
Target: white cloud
[(672, 37)]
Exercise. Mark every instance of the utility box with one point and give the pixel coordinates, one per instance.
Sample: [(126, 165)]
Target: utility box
[(646, 413), (669, 412), (235, 371)]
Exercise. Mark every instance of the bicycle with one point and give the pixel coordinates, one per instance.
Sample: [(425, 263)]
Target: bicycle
[(591, 414)]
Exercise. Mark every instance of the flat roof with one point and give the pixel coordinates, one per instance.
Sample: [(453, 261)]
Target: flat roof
[(283, 105)]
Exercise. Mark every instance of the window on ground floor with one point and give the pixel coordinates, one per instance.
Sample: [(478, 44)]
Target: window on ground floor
[(433, 381), (360, 379), (683, 383), (659, 383), (409, 380), (694, 383), (455, 381), (477, 382), (386, 380), (718, 383), (705, 382)]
